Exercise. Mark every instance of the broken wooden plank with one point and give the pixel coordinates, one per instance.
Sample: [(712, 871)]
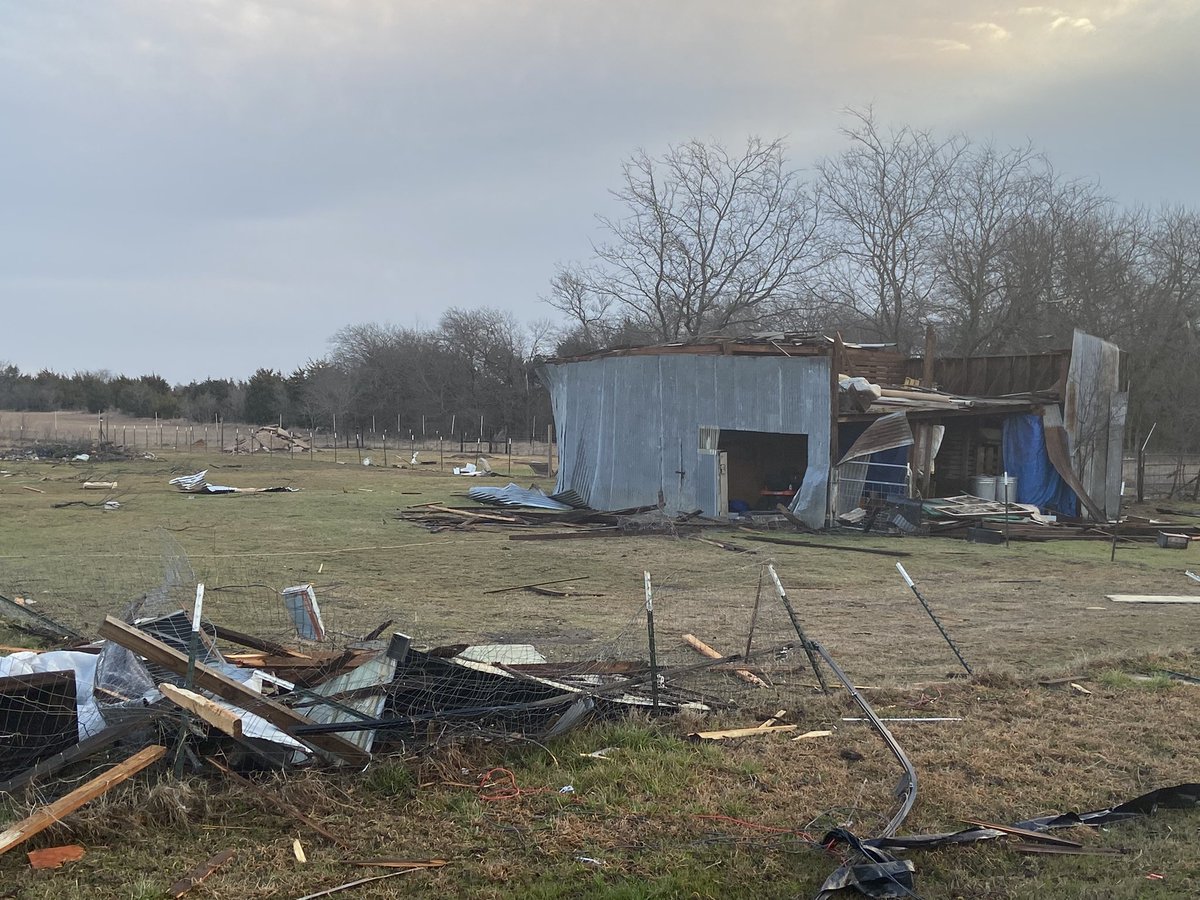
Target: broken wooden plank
[(278, 803), (53, 857), (45, 816), (731, 733), (813, 545), (1151, 598), (812, 734), (220, 718), (399, 863), (567, 535), (705, 650), (198, 874), (226, 688)]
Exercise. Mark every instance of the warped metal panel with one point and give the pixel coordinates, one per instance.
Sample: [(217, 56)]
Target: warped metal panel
[(1094, 416), (515, 495)]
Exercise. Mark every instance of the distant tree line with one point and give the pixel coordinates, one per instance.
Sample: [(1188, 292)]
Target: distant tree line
[(473, 371), (902, 229)]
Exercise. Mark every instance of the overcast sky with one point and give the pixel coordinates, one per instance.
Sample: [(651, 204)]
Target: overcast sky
[(204, 187)]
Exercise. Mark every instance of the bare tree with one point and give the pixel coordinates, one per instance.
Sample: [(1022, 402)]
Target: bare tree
[(989, 197), (708, 241), (883, 196)]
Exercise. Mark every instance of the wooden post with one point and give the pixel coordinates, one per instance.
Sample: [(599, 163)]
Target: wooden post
[(650, 639), (835, 362), (385, 448), (927, 361)]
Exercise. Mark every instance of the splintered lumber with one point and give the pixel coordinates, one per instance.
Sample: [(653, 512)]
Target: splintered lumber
[(1151, 598), (220, 718), (198, 874), (813, 545), (226, 688), (812, 734), (730, 733), (46, 816), (278, 803), (99, 485), (705, 650)]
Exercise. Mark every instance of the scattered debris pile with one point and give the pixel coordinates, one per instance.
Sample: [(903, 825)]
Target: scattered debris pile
[(270, 438), (198, 484)]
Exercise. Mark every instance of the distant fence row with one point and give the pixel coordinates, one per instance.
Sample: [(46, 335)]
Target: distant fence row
[(16, 432), (1162, 475)]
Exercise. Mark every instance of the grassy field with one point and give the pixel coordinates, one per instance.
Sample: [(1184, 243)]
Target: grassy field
[(642, 823)]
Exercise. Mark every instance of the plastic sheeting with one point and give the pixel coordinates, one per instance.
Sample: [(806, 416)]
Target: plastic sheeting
[(1026, 459)]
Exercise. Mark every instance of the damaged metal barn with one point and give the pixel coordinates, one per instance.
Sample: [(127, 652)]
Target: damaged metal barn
[(826, 428)]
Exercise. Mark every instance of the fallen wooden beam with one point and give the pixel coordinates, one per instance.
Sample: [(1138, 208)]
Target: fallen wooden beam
[(198, 874), (812, 545), (226, 688), (224, 720), (705, 650), (43, 818), (730, 733), (567, 535)]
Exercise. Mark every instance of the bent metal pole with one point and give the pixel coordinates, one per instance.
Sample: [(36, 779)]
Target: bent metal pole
[(945, 634)]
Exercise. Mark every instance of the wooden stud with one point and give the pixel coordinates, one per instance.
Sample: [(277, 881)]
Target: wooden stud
[(44, 817), (226, 688)]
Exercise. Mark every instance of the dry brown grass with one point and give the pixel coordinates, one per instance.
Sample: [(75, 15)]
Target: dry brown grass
[(1021, 749)]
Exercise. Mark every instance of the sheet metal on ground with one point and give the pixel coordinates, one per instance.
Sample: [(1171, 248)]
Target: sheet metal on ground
[(629, 426)]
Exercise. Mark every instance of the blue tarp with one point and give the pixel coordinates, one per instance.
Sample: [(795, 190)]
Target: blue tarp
[(1025, 459)]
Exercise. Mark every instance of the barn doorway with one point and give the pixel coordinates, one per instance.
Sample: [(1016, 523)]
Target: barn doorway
[(761, 468)]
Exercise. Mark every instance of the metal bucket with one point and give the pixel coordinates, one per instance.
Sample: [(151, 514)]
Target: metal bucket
[(1012, 488), (984, 486)]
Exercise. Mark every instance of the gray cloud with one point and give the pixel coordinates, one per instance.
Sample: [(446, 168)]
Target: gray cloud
[(271, 171)]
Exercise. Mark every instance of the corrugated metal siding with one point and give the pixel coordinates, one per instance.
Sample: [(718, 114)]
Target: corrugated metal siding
[(628, 426)]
